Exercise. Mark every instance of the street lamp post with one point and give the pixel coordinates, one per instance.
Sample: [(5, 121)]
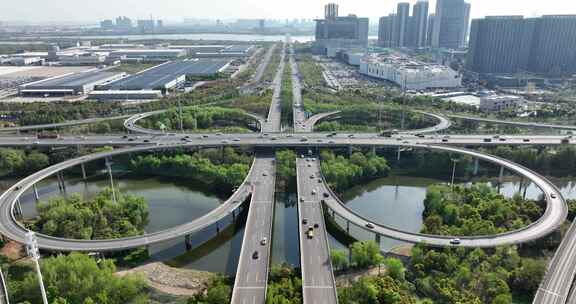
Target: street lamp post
[(33, 252)]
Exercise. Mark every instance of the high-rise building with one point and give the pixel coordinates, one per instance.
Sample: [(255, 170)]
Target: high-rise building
[(401, 27), (337, 33), (331, 11), (147, 25), (451, 24), (386, 31), (430, 30), (419, 24), (123, 23), (553, 45), (512, 44), (107, 24), (499, 45)]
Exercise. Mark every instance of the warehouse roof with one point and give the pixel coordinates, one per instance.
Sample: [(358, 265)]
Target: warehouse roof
[(73, 80)]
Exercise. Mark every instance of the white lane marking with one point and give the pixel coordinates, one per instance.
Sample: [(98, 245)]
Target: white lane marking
[(318, 287), (549, 292)]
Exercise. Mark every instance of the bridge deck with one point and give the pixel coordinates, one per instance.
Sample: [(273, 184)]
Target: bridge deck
[(318, 282)]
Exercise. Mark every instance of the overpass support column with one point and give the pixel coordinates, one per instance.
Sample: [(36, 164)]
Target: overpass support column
[(500, 178), (61, 183), (188, 242), (348, 227), (399, 151), (476, 166), (109, 168), (18, 209), (377, 238), (349, 150), (36, 196), (373, 149), (218, 227), (83, 171)]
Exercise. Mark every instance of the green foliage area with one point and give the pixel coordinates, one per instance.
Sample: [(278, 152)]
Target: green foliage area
[(557, 161), (199, 119), (286, 165), (7, 49), (380, 289), (272, 68), (284, 286), (310, 71), (286, 96), (217, 170), (98, 218), (342, 173), (366, 254), (75, 278), (258, 104), (474, 275), (368, 117), (218, 292), (476, 210), (339, 259), (19, 162)]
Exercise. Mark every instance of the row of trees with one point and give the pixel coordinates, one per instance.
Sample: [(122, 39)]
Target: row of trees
[(286, 166), (342, 172), (310, 71), (461, 275), (286, 96), (284, 285), (223, 175), (15, 162), (98, 218)]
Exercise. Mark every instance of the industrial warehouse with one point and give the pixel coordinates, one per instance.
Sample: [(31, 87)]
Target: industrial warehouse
[(70, 84), (158, 80)]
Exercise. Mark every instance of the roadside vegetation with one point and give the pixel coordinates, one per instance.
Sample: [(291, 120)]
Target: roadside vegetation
[(200, 119), (286, 166), (310, 71), (16, 162), (342, 172), (74, 278), (284, 285), (93, 219), (478, 275), (218, 171), (286, 96)]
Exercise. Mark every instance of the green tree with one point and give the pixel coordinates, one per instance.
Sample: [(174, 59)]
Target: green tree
[(395, 269), (366, 254), (339, 259)]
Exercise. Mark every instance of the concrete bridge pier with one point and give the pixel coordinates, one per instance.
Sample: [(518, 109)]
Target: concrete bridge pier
[(500, 178), (348, 227), (61, 182), (476, 166), (218, 227), (349, 150), (399, 152), (109, 169), (83, 171), (373, 149), (377, 238), (36, 196), (188, 241), (18, 209)]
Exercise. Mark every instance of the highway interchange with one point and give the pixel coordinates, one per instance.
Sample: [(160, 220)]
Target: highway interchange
[(318, 280)]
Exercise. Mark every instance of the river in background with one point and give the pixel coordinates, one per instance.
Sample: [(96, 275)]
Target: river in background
[(397, 201)]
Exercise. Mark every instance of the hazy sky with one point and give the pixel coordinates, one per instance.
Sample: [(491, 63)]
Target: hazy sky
[(177, 10)]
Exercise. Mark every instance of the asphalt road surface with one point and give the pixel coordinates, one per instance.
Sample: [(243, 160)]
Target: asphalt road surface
[(318, 285)]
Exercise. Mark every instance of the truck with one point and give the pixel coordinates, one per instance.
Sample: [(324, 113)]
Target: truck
[(47, 135), (389, 133)]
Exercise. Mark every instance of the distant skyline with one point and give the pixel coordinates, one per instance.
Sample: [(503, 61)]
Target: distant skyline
[(89, 12)]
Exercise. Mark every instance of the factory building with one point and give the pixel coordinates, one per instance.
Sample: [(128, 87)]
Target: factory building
[(410, 74), (161, 79), (334, 33), (70, 84), (495, 103), (148, 54), (216, 51)]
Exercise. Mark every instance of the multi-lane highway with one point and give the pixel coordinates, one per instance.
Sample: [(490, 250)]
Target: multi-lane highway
[(3, 290), (318, 284), (251, 280), (252, 274)]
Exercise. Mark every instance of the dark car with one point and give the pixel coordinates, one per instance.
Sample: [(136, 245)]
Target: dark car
[(326, 195), (255, 255)]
